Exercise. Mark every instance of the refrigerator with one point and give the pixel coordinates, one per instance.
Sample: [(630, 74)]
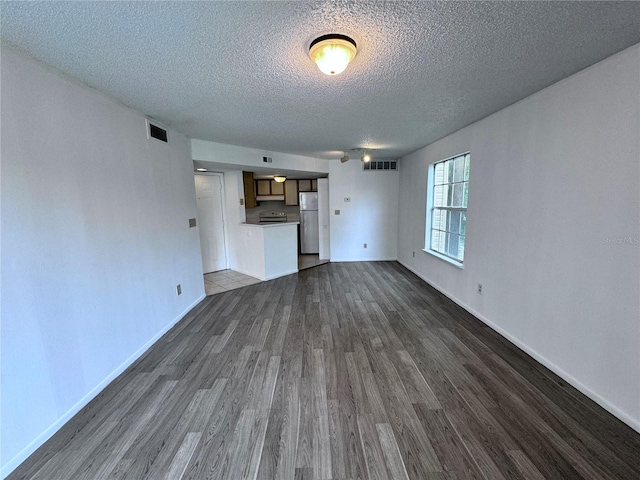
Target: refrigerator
[(309, 237)]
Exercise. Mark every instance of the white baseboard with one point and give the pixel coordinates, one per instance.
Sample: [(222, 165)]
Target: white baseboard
[(348, 260), (574, 382), (21, 456), (266, 278), (282, 274)]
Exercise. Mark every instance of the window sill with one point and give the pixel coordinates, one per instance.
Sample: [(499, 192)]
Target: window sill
[(445, 258)]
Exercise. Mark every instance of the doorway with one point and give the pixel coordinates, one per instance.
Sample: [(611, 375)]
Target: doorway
[(209, 195)]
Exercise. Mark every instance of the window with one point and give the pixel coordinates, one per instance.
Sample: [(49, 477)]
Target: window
[(447, 194)]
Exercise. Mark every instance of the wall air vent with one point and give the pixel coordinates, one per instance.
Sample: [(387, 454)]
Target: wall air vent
[(267, 159), (156, 132), (380, 165)]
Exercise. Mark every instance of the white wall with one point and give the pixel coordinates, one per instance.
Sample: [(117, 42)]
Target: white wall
[(370, 217), (95, 238), (246, 158), (268, 251), (554, 186)]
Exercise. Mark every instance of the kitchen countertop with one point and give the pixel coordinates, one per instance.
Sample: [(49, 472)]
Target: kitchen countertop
[(268, 224)]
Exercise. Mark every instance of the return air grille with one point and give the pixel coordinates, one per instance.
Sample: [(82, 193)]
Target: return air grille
[(157, 132), (380, 165)]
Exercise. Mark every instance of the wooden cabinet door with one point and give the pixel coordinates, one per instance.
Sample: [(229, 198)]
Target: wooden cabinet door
[(291, 192), (264, 187), (304, 185), (277, 188), (314, 185), (249, 190)]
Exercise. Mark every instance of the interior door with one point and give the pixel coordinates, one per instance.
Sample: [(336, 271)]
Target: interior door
[(211, 222)]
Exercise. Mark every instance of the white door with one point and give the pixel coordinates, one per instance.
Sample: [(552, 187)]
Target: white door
[(210, 222)]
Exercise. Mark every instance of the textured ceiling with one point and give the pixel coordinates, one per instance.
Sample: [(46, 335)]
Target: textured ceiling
[(239, 72)]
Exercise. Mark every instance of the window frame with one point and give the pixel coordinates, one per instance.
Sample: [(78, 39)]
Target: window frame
[(431, 208)]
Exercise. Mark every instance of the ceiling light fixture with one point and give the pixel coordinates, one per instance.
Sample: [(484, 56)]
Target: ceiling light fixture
[(366, 157), (279, 179), (332, 53), (345, 158), (201, 169)]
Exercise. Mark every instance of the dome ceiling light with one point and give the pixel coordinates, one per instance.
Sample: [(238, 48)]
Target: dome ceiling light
[(279, 179), (332, 53)]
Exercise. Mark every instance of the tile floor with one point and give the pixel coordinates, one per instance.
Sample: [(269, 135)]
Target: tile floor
[(308, 261), (225, 280)]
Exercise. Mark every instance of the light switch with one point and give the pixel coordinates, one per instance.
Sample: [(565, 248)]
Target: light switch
[(337, 212)]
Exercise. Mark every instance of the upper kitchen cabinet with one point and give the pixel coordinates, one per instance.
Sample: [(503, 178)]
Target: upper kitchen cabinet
[(277, 188), (304, 185), (268, 189), (264, 187), (249, 190), (291, 192)]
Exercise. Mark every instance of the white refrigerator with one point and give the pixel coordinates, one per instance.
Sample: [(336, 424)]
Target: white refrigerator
[(309, 237)]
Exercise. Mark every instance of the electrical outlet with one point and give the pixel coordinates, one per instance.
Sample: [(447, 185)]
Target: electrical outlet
[(337, 212), (480, 289), (192, 222), (242, 201), (179, 289), (365, 245)]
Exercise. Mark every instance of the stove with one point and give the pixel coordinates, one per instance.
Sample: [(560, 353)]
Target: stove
[(273, 217)]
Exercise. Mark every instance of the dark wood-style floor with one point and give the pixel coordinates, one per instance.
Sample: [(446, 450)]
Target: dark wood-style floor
[(344, 371)]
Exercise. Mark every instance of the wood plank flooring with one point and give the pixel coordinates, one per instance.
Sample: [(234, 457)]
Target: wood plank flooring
[(343, 371)]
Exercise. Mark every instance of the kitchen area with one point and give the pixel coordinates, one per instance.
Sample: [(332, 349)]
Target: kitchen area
[(272, 201)]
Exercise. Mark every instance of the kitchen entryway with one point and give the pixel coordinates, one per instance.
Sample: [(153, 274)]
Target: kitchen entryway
[(308, 261), (225, 280)]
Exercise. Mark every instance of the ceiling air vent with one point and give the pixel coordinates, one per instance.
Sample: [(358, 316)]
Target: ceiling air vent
[(380, 165), (156, 132), (267, 159)]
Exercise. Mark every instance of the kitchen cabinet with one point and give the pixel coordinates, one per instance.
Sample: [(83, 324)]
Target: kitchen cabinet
[(291, 192), (304, 185), (263, 187), (314, 185), (277, 188), (249, 190)]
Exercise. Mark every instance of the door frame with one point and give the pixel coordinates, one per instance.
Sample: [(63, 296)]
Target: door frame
[(225, 237)]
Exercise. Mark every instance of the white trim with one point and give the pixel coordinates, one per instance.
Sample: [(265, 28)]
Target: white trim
[(265, 278), (23, 454), (348, 260), (443, 257), (604, 403), (278, 275)]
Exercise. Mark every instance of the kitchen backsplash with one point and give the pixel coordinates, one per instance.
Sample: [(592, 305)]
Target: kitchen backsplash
[(253, 214)]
